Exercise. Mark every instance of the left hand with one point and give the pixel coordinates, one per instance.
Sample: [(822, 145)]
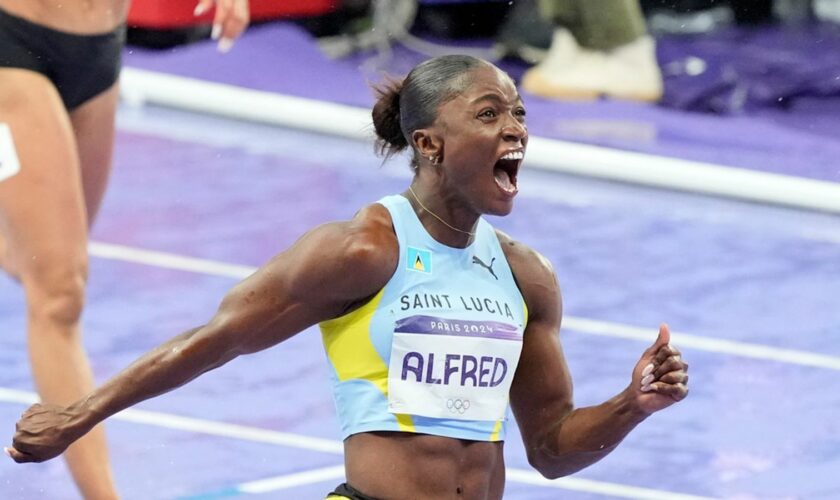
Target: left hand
[(660, 378), (230, 20)]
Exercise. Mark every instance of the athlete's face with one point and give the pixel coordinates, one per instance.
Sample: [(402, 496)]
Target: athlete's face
[(484, 138)]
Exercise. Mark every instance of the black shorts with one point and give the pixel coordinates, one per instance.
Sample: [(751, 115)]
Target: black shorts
[(347, 492), (80, 66)]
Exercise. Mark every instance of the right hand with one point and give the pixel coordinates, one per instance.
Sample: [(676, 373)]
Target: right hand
[(43, 432)]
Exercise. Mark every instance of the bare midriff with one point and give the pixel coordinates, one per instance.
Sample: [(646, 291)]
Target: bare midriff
[(394, 465), (82, 17)]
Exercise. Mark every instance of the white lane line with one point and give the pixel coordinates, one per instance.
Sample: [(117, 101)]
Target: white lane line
[(582, 325), (168, 260), (233, 431), (189, 424), (325, 474), (334, 447), (16, 396), (723, 346), (600, 487)]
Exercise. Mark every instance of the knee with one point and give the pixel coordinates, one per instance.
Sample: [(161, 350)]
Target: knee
[(55, 288)]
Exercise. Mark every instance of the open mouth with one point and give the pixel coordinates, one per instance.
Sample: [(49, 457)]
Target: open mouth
[(506, 169)]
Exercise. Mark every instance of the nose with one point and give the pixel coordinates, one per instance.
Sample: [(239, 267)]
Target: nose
[(514, 131)]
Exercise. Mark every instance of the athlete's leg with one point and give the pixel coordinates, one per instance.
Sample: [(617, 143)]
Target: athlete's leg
[(5, 260), (44, 224), (93, 125)]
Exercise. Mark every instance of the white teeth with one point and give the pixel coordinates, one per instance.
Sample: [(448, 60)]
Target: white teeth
[(513, 155)]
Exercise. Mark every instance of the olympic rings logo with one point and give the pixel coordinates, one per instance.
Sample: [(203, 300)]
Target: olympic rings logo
[(458, 405)]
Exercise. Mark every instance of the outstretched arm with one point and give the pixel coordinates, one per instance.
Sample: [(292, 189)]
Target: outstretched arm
[(329, 271), (559, 439)]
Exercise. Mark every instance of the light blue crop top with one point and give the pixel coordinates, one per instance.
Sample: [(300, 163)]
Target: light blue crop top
[(434, 352)]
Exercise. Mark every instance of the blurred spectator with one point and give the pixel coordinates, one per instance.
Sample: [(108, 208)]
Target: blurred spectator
[(827, 10), (703, 16), (599, 48)]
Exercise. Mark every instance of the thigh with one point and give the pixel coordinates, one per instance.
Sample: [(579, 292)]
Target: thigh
[(93, 127), (42, 212)]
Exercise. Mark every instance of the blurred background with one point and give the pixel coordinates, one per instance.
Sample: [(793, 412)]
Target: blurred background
[(740, 83), (684, 166)]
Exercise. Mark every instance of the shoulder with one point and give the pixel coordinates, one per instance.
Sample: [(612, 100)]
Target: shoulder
[(371, 232), (534, 276), (526, 263), (366, 242), (338, 264)]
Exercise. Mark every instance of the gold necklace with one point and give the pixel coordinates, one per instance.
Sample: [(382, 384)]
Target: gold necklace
[(435, 215)]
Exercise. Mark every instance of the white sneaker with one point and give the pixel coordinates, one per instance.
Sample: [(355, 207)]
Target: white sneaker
[(628, 72), (563, 49)]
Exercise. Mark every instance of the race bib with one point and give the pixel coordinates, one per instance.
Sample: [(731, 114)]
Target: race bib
[(458, 369), (9, 164)]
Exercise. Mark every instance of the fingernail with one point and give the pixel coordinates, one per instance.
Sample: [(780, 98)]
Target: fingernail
[(7, 451), (647, 380), (225, 44), (648, 369), (199, 9), (217, 31), (646, 388)]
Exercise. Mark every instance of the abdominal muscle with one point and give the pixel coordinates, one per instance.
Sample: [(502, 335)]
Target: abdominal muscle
[(83, 17), (397, 465)]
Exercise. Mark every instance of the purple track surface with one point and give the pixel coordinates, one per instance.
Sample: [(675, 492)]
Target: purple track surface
[(754, 426)]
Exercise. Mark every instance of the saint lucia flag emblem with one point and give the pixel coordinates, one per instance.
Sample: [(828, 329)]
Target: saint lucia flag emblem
[(419, 260)]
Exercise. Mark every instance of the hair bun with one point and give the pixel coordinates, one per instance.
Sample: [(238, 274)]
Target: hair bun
[(386, 118)]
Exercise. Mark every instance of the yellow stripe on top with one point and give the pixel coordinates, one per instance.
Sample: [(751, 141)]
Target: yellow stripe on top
[(525, 314), (352, 354), (497, 429), (349, 348)]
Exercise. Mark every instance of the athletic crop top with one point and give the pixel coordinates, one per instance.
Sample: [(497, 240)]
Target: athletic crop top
[(434, 352)]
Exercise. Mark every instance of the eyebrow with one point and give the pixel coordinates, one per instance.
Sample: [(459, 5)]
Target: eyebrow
[(495, 97)]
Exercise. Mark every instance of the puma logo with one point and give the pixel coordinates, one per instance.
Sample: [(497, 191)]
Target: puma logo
[(489, 268)]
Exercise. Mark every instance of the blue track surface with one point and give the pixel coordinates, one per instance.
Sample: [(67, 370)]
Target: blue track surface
[(235, 193)]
